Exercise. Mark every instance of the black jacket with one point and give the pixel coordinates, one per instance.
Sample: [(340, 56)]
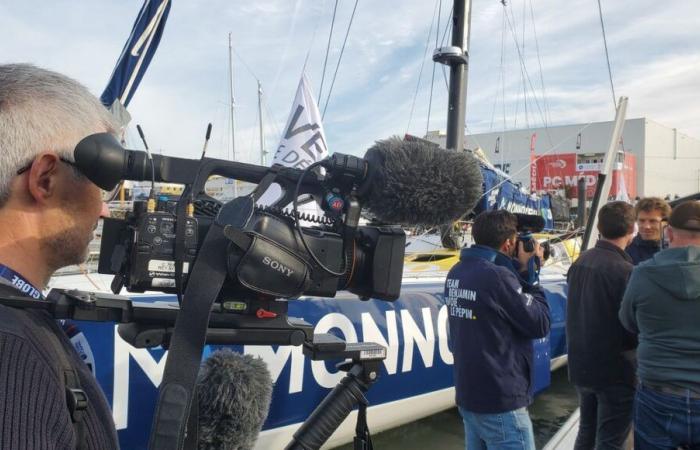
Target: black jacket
[(596, 339), (641, 250), (33, 411), (492, 323)]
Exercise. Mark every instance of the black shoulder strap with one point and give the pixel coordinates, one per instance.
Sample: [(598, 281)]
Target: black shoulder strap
[(76, 399), (176, 392)]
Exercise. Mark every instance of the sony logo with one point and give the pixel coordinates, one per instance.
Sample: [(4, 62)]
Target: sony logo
[(277, 266)]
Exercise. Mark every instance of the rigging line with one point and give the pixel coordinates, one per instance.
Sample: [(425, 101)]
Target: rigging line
[(527, 75), (285, 53), (420, 73), (607, 56), (539, 62), (328, 47), (526, 166), (448, 26), (503, 89), (273, 122), (247, 67), (527, 119), (432, 80), (340, 58), (313, 37), (500, 73), (472, 136)]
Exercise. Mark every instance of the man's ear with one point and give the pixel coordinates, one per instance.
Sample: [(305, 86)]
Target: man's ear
[(43, 177), (669, 231)]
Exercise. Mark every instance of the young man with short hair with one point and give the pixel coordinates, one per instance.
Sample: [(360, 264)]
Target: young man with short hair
[(494, 315), (600, 362), (651, 214)]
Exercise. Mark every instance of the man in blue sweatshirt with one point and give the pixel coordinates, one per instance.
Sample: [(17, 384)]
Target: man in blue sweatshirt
[(494, 315), (652, 213), (662, 304)]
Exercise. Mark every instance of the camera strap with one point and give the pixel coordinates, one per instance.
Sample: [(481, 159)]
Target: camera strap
[(76, 399), (185, 351)]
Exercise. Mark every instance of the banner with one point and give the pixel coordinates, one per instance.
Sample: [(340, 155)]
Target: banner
[(562, 172), (135, 57), (501, 193), (303, 141)]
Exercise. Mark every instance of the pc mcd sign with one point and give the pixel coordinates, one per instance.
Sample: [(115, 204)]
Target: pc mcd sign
[(562, 171)]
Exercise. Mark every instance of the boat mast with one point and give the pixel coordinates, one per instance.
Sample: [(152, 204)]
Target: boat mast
[(605, 176), (457, 57), (232, 104), (263, 153)]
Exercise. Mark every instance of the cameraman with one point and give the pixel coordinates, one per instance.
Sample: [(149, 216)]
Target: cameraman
[(494, 314), (48, 212)]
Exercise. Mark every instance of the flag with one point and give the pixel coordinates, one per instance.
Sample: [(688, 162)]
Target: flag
[(303, 141), (135, 57)]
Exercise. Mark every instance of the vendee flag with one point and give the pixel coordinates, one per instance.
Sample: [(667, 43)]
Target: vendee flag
[(135, 57), (303, 141)]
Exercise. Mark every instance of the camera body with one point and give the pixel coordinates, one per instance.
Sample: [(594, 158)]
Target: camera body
[(140, 250), (527, 225)]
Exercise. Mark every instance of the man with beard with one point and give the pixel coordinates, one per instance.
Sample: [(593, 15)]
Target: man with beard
[(652, 213), (48, 212), (494, 314)]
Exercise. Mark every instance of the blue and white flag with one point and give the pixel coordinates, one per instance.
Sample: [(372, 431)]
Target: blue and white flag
[(135, 57)]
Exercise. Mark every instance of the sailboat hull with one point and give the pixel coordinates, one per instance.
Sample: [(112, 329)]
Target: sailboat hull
[(415, 380)]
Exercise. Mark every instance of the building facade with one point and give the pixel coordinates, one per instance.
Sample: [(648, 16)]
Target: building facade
[(667, 161)]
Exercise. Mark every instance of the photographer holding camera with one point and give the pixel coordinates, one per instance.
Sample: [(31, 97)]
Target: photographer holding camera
[(49, 399), (494, 313)]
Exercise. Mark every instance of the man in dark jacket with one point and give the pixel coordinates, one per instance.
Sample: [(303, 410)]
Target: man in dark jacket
[(600, 362), (48, 212), (662, 304), (493, 317), (652, 213)]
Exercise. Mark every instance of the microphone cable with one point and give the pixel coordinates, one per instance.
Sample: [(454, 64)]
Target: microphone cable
[(295, 212)]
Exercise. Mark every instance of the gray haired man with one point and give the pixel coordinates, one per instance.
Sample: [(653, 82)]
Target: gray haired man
[(48, 212)]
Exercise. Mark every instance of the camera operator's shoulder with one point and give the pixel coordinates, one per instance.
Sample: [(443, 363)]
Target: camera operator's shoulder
[(501, 271), (499, 274), (11, 322)]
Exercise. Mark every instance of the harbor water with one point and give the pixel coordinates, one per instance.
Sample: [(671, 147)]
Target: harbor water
[(444, 431)]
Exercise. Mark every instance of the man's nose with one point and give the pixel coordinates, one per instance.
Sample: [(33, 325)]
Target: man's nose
[(104, 212)]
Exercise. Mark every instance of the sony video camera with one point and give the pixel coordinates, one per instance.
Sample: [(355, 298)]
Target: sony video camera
[(269, 254), (527, 225)]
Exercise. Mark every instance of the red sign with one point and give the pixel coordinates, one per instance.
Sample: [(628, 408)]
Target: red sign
[(562, 172)]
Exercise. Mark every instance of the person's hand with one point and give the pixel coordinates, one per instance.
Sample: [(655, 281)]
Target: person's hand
[(524, 257)]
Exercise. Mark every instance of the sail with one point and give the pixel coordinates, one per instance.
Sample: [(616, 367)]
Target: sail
[(303, 141), (135, 57)]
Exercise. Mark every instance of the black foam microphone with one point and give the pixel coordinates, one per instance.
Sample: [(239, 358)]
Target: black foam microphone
[(529, 223), (412, 183), (234, 393), (403, 182)]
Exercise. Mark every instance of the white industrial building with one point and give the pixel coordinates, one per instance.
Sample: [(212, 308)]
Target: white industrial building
[(668, 162)]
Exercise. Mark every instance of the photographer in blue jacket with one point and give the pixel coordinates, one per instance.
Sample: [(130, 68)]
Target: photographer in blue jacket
[(494, 314)]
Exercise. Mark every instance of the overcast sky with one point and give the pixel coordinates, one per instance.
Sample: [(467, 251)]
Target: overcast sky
[(654, 51)]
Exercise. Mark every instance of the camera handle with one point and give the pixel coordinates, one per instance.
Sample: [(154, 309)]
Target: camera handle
[(362, 372)]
